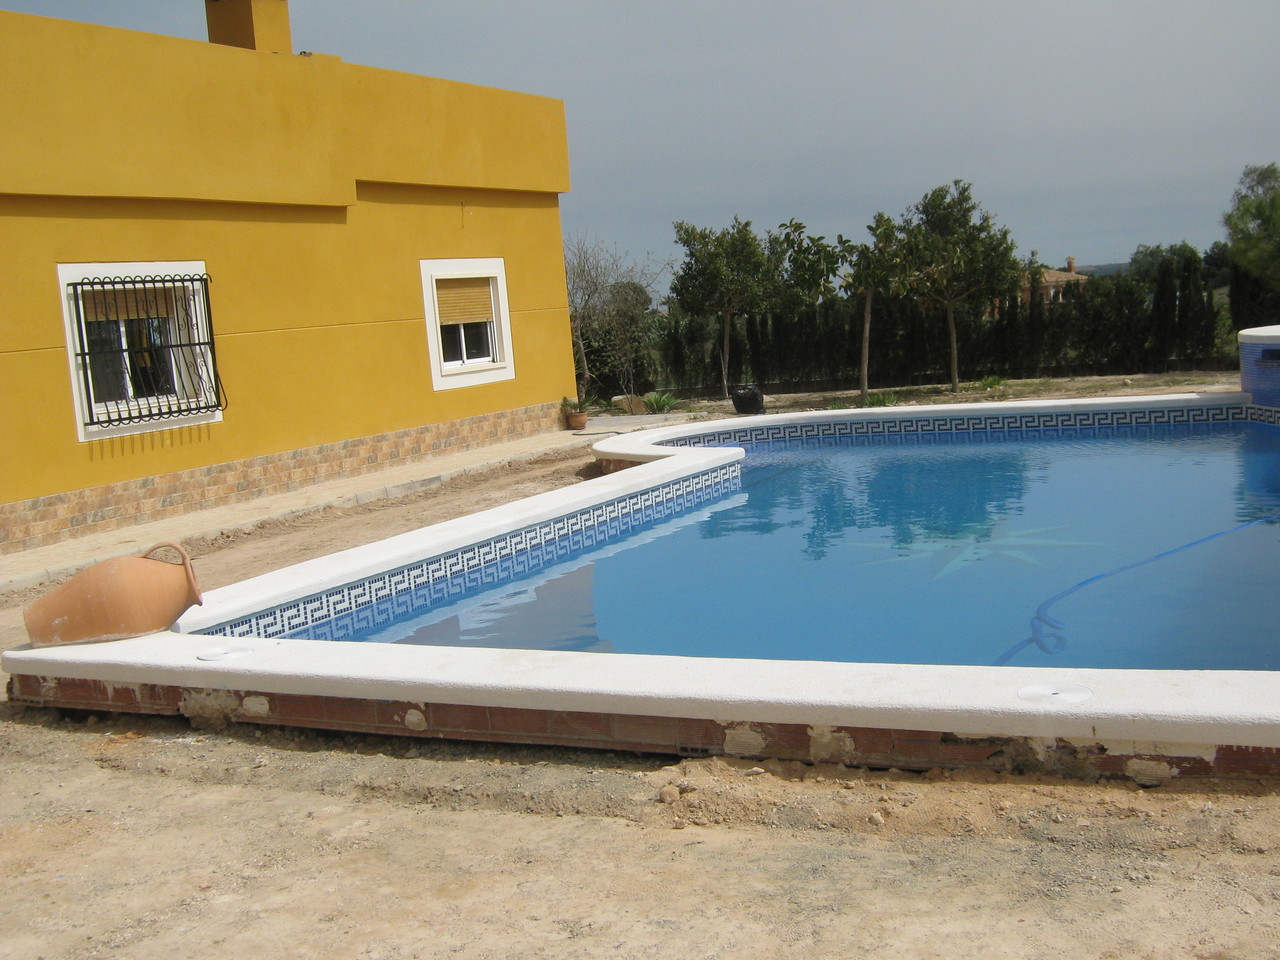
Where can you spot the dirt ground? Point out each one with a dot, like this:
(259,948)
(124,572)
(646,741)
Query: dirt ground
(143,838)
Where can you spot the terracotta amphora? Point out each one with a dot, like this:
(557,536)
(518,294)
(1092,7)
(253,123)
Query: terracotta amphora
(117,598)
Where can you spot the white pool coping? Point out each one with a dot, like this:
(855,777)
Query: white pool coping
(1168,711)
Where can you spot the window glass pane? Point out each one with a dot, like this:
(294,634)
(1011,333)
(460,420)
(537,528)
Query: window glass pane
(451,343)
(477,336)
(149,373)
(106,361)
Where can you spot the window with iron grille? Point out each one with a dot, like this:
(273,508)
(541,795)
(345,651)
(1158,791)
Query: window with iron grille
(468,321)
(141,347)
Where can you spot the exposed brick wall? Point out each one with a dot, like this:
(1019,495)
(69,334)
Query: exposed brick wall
(33,523)
(682,736)
(609,465)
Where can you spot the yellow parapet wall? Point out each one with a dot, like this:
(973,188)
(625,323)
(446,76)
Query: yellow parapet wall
(125,114)
(310,190)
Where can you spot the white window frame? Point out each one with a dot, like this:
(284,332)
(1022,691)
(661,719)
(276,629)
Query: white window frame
(502,366)
(69,273)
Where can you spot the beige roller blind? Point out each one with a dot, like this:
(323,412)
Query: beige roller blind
(464,300)
(128,303)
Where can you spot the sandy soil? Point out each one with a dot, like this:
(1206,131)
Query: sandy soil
(130,837)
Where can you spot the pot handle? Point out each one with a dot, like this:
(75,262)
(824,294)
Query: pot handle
(196,596)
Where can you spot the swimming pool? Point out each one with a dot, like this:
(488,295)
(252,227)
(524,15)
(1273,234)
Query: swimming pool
(1144,722)
(1132,547)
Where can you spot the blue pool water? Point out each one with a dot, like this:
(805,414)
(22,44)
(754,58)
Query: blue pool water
(936,548)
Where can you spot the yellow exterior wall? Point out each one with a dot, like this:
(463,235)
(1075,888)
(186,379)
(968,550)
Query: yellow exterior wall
(311,189)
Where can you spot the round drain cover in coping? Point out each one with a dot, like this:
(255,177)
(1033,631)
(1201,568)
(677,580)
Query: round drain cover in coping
(224,653)
(1055,693)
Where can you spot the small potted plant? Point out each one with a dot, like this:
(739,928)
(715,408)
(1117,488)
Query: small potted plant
(575,412)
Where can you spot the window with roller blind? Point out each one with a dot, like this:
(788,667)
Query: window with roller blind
(468,325)
(465,309)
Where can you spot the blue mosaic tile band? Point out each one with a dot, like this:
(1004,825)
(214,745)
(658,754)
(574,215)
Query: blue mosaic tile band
(966,423)
(1260,373)
(435,579)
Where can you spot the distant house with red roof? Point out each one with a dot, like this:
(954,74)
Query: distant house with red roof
(1053,283)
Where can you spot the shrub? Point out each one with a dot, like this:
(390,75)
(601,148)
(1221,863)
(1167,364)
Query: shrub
(661,402)
(885,398)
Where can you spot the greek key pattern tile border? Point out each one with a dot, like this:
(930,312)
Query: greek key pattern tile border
(1267,415)
(968,423)
(344,610)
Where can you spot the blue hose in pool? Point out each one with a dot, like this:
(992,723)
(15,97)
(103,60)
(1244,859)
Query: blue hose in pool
(1054,642)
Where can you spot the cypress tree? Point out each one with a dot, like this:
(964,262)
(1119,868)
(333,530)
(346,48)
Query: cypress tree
(1011,334)
(1130,322)
(1253,303)
(757,351)
(1034,338)
(1164,315)
(1193,319)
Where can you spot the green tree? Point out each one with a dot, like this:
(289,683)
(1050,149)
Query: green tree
(1253,224)
(1129,320)
(1164,313)
(1195,317)
(809,264)
(876,267)
(803,282)
(1107,322)
(725,274)
(682,348)
(1036,325)
(1144,265)
(1216,263)
(623,335)
(959,256)
(1251,301)
(593,270)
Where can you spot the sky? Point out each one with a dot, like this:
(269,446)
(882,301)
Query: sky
(1087,128)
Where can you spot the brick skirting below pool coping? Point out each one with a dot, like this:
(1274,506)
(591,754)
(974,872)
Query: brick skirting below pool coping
(682,736)
(26,524)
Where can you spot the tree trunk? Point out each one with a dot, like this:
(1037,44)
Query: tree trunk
(584,374)
(955,350)
(727,320)
(866,346)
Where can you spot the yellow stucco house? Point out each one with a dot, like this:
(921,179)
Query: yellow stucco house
(227,270)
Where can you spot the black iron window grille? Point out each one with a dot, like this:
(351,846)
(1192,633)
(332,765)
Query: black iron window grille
(144,349)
